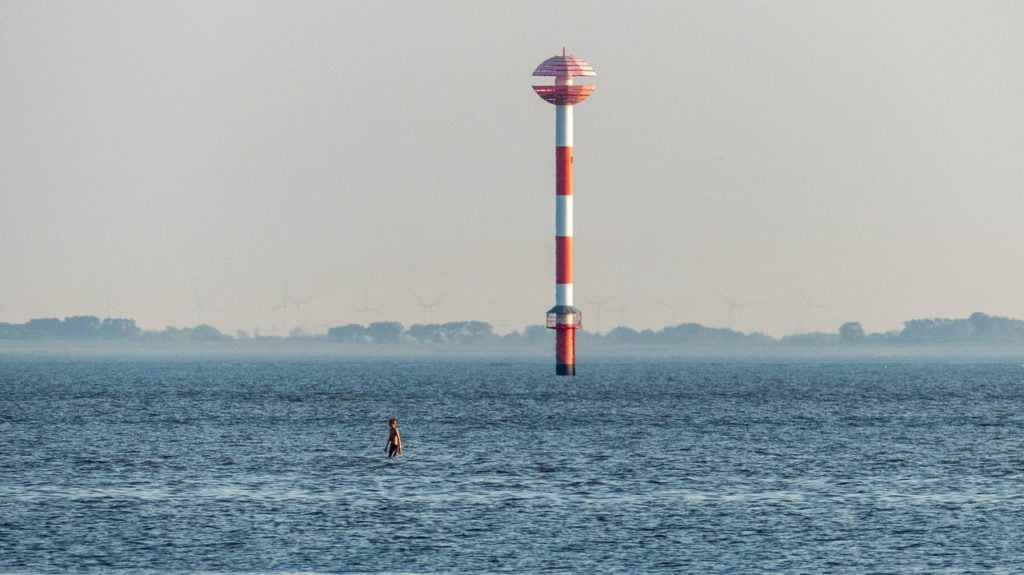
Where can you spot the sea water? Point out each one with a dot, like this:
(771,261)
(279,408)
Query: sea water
(635,466)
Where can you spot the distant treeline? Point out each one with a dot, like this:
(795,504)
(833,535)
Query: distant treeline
(89,328)
(978,330)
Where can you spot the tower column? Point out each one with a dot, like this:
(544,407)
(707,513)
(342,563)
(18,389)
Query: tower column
(565,332)
(564,318)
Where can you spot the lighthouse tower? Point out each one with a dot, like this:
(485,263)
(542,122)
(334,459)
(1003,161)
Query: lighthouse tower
(564,318)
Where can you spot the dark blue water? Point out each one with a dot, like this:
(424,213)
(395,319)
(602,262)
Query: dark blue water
(268,465)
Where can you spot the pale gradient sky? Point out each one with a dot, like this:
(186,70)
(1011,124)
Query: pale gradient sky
(809,162)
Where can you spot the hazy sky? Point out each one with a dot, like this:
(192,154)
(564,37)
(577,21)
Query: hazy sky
(772,166)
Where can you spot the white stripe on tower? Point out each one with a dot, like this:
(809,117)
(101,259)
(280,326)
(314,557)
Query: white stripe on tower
(563,125)
(563,216)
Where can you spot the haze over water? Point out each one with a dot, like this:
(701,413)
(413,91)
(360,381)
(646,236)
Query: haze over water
(240,465)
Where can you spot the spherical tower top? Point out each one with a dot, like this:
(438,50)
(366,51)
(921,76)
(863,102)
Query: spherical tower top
(564,68)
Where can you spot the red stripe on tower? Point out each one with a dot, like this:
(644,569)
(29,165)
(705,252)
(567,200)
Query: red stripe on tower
(563,260)
(564,318)
(563,170)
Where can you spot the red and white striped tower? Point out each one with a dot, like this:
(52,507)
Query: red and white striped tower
(564,318)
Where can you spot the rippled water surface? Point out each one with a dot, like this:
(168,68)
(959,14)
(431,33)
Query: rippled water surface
(239,465)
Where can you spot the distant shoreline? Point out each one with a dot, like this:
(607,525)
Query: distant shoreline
(978,335)
(322,349)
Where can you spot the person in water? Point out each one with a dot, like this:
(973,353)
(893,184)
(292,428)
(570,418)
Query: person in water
(394,446)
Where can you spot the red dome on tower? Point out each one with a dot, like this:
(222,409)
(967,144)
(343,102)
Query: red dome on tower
(564,68)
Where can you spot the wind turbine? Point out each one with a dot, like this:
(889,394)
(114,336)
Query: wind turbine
(301,302)
(367,309)
(290,303)
(108,309)
(429,304)
(811,306)
(195,311)
(599,303)
(285,305)
(672,307)
(734,305)
(198,309)
(622,309)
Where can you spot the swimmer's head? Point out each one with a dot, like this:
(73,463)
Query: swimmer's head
(392,421)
